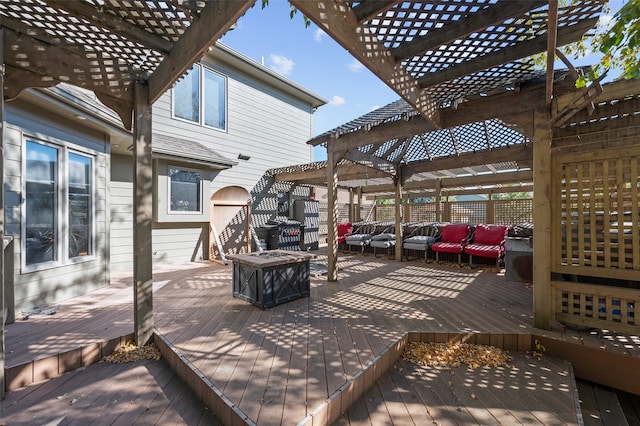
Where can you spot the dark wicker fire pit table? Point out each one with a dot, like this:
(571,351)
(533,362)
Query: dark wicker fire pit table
(269,278)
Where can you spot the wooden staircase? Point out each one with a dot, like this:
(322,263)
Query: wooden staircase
(604,406)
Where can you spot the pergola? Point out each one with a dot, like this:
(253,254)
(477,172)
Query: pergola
(455,64)
(461,68)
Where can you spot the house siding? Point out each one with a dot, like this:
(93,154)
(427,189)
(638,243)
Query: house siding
(45,287)
(265,123)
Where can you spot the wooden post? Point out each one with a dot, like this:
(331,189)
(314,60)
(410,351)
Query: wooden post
(2,290)
(438,201)
(351,215)
(398,187)
(542,137)
(332,216)
(358,217)
(143,216)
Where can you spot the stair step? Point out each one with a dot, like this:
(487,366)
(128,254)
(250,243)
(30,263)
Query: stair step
(600,405)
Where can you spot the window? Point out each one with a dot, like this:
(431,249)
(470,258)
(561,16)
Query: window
(200,97)
(185,190)
(80,204)
(58,184)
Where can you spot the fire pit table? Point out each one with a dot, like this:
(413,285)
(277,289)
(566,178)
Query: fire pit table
(269,278)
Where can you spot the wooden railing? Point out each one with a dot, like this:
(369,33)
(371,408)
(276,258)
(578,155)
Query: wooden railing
(598,306)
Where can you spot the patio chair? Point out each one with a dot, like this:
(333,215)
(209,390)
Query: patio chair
(344,230)
(488,241)
(454,237)
(421,238)
(360,237)
(384,240)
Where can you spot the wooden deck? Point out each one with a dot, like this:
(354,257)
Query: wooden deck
(277,366)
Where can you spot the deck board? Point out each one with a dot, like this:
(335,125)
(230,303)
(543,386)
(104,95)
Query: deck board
(279,364)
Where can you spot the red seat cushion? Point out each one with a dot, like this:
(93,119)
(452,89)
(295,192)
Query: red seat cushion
(490,234)
(447,247)
(455,233)
(485,250)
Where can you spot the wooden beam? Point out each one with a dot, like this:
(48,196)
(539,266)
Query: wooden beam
(18,79)
(346,172)
(215,19)
(616,90)
(106,19)
(552,35)
(469,24)
(143,217)
(504,178)
(517,153)
(338,20)
(519,50)
(366,10)
(371,161)
(511,107)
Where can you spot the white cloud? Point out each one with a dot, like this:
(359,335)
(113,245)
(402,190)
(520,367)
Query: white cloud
(336,101)
(355,66)
(318,35)
(281,64)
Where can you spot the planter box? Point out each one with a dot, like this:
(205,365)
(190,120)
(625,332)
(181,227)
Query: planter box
(272,277)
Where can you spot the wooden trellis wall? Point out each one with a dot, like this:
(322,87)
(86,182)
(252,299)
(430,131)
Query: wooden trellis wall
(596,237)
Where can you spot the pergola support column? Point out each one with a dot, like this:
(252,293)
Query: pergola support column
(2,283)
(398,228)
(332,217)
(438,200)
(358,217)
(351,207)
(143,216)
(542,138)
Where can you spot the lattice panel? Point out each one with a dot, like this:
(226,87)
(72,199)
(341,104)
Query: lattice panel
(76,32)
(597,306)
(502,136)
(423,212)
(418,150)
(597,213)
(470,138)
(439,143)
(385,212)
(512,212)
(466,211)
(407,21)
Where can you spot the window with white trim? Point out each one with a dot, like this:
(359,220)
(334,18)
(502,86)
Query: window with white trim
(58,209)
(185,191)
(201,97)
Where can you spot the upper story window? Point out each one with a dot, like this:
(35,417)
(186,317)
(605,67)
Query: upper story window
(185,190)
(58,208)
(201,97)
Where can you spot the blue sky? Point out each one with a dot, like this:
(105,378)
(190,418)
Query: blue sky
(311,59)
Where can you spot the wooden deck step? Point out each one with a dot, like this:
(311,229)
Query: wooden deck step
(600,405)
(529,391)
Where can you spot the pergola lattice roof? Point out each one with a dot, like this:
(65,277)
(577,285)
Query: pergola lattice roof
(105,45)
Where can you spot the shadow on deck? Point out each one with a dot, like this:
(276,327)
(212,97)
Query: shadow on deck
(316,359)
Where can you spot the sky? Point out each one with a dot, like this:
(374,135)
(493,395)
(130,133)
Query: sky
(310,58)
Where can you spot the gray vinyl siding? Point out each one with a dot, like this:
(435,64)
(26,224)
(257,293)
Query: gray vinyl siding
(263,122)
(270,126)
(46,287)
(121,209)
(171,242)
